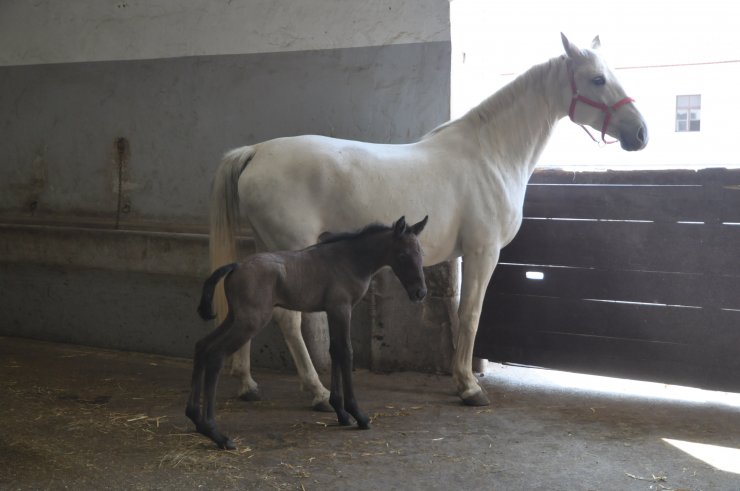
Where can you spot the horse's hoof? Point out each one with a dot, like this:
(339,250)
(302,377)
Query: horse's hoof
(250,396)
(323,407)
(477,399)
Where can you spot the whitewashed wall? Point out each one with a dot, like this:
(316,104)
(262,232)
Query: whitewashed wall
(88,228)
(49,31)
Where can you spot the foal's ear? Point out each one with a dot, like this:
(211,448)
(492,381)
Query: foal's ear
(399,227)
(418,227)
(596,43)
(324,235)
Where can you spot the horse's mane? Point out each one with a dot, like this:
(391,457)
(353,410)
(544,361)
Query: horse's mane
(328,237)
(510,92)
(504,97)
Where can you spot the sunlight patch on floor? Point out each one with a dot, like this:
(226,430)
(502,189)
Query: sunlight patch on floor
(723,458)
(613,386)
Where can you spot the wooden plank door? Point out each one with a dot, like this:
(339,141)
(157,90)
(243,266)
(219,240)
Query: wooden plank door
(623,273)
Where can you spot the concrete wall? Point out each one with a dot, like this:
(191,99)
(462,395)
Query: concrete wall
(114,115)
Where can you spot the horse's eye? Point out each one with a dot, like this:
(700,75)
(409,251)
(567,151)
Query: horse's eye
(598,80)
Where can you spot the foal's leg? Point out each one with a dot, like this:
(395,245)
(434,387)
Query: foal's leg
(340,349)
(193,408)
(207,425)
(223,345)
(290,324)
(240,364)
(336,399)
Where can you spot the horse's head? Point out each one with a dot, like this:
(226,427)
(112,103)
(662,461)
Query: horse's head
(406,258)
(598,100)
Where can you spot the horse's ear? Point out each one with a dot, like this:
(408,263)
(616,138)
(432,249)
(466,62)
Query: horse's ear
(418,227)
(571,49)
(399,227)
(596,43)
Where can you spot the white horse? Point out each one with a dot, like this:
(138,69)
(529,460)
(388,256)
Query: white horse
(469,175)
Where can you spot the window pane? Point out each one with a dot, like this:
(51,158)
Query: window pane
(682,101)
(680,125)
(694,115)
(694,125)
(695,101)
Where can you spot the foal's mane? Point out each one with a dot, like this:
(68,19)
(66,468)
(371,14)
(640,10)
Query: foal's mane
(329,237)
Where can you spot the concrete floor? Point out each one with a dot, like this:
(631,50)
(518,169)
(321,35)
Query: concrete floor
(79,418)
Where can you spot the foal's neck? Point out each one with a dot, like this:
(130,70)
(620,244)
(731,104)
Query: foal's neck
(368,254)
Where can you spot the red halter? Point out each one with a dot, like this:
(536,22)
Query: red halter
(608,110)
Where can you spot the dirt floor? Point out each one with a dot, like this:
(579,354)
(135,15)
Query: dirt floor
(79,418)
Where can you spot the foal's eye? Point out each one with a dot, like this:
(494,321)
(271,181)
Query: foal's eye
(598,80)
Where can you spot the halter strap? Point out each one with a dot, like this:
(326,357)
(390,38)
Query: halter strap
(606,109)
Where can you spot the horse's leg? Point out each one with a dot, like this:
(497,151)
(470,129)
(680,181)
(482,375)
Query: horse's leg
(477,270)
(241,368)
(290,324)
(340,349)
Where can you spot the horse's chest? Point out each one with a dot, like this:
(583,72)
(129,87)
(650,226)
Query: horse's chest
(495,210)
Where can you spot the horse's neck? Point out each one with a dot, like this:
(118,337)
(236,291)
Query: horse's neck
(516,122)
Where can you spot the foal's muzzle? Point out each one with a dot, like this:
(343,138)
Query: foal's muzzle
(418,294)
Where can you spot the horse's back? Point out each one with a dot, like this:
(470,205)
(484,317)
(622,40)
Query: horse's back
(323,153)
(295,188)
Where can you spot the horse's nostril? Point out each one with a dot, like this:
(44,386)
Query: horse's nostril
(642,134)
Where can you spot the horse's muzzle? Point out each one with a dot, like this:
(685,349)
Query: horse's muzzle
(633,141)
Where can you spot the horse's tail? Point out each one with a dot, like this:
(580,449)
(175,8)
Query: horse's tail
(224,214)
(206,298)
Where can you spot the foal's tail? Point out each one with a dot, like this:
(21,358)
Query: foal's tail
(206,299)
(224,214)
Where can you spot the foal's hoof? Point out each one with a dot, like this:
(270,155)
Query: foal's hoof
(323,407)
(477,399)
(193,413)
(227,444)
(363,423)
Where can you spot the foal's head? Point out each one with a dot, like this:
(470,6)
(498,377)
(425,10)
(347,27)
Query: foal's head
(405,257)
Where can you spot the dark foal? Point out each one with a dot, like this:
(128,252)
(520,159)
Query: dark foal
(331,276)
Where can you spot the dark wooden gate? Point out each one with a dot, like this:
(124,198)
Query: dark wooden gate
(640,277)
